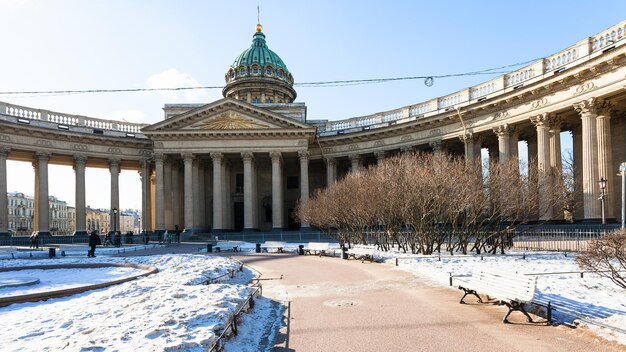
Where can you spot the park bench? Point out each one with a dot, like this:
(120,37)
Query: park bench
(73,248)
(227,246)
(511,289)
(8,252)
(362,252)
(278,245)
(317,248)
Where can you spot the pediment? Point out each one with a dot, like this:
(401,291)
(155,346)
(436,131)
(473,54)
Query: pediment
(231,120)
(226,115)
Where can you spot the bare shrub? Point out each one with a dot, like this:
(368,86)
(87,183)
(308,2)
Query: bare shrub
(607,257)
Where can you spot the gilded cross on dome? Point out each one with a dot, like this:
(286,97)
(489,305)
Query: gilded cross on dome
(230,121)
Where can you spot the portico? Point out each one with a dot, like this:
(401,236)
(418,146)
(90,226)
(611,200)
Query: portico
(247,156)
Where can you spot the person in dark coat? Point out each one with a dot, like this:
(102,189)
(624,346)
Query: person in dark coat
(177,232)
(94,240)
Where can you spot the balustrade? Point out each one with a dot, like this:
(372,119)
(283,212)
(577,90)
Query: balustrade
(609,37)
(67,119)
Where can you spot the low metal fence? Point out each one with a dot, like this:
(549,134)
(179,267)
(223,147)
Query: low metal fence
(562,240)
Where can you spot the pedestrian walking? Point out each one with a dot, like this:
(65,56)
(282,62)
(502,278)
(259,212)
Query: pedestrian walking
(177,232)
(94,240)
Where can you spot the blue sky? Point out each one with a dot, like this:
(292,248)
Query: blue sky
(71,44)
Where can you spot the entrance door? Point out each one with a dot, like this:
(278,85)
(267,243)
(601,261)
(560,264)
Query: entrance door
(238,211)
(292,222)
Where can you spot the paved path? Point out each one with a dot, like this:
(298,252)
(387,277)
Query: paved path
(338,305)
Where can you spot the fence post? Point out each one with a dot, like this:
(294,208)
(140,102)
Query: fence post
(450,278)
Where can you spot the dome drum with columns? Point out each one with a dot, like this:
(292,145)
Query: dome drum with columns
(243,162)
(258,75)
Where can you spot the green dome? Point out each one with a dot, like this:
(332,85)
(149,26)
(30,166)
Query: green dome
(258,61)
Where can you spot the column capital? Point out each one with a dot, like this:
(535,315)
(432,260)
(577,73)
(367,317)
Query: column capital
(80,160)
(380,154)
(276,156)
(4,151)
(589,106)
(303,155)
(436,145)
(159,157)
(187,157)
(604,108)
(43,155)
(541,120)
(354,157)
(217,156)
(247,156)
(331,161)
(503,130)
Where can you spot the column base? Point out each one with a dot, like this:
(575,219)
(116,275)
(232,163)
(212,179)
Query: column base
(277,230)
(305,229)
(249,230)
(217,231)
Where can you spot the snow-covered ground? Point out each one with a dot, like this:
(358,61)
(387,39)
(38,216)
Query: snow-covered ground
(596,299)
(60,279)
(170,310)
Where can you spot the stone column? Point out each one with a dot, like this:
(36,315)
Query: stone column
(227,199)
(331,171)
(303,155)
(200,197)
(605,154)
(541,122)
(277,191)
(195,176)
(355,159)
(504,142)
(178,211)
(36,200)
(556,164)
(43,205)
(114,168)
(380,156)
(470,149)
(248,159)
(145,196)
(167,190)
(159,205)
(189,196)
(514,149)
(4,204)
(591,175)
(577,141)
(217,191)
(80,162)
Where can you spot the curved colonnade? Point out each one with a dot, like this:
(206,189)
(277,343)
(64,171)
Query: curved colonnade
(230,165)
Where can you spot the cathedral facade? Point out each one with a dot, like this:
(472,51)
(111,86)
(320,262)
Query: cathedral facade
(242,163)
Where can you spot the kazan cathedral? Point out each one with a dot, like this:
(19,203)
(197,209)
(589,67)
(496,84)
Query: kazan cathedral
(242,163)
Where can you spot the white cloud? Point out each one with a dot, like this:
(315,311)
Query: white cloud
(172,78)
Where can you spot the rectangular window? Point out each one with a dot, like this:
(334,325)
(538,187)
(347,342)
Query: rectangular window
(239,183)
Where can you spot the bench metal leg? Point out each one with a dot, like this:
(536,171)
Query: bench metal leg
(516,306)
(469,292)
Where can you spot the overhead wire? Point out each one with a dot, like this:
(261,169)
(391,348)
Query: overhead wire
(319,84)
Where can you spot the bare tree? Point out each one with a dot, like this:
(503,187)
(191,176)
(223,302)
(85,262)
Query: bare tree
(607,257)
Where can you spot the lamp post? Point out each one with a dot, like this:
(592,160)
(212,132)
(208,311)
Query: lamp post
(602,183)
(622,169)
